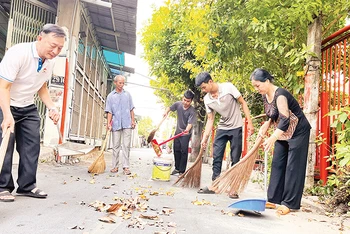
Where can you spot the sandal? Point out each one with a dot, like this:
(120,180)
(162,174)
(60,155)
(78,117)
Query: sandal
(205,190)
(282,210)
(233,196)
(127,171)
(36,193)
(270,205)
(6,196)
(114,170)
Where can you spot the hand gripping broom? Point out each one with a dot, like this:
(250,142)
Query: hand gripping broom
(235,179)
(99,165)
(192,176)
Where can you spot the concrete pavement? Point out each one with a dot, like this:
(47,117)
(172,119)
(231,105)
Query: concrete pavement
(71,189)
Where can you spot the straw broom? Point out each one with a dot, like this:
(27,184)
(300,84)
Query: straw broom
(3,147)
(191,178)
(235,179)
(153,132)
(99,165)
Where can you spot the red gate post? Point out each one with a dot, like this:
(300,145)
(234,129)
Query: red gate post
(325,131)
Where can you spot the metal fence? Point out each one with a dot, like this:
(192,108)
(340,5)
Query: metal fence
(334,92)
(25,22)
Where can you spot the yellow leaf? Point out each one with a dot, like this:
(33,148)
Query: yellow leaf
(300,73)
(255,20)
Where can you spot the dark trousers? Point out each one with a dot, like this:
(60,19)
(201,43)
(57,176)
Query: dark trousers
(27,138)
(234,136)
(288,171)
(181,152)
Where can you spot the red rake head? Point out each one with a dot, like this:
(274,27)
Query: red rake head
(156,147)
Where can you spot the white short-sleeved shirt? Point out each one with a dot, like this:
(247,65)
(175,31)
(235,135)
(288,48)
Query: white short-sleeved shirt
(226,105)
(20,67)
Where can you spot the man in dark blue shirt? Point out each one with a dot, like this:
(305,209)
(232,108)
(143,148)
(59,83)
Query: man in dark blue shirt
(186,116)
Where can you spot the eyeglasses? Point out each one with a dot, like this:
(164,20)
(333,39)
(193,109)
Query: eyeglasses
(40,64)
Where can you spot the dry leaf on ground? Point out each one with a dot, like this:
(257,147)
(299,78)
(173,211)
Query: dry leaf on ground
(114,208)
(167,211)
(77,227)
(106,219)
(99,206)
(151,217)
(171,224)
(201,203)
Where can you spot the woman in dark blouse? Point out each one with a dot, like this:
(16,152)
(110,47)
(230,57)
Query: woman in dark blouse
(290,140)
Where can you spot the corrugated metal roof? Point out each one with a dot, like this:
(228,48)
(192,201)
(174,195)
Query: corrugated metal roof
(115,27)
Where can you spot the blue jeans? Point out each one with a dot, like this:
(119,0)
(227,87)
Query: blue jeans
(221,139)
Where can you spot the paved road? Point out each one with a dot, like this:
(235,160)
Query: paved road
(71,189)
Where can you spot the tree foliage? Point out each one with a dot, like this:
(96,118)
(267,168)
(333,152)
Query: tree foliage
(145,126)
(230,38)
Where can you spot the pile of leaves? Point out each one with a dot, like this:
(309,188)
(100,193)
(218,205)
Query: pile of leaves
(126,207)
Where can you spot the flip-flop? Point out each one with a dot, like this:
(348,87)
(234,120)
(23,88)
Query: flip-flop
(36,193)
(205,190)
(6,196)
(283,210)
(270,205)
(127,171)
(114,170)
(234,196)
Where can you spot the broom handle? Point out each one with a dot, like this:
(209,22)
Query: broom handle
(59,132)
(3,147)
(172,138)
(265,173)
(161,122)
(105,140)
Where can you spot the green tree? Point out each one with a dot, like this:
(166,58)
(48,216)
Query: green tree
(145,126)
(230,38)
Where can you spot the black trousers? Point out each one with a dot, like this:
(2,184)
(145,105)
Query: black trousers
(27,138)
(221,139)
(181,152)
(288,171)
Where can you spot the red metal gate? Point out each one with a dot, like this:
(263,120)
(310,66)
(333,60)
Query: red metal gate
(334,93)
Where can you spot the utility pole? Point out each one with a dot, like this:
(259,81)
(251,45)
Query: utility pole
(311,95)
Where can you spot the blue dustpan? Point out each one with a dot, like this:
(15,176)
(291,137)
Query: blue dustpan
(249,204)
(253,204)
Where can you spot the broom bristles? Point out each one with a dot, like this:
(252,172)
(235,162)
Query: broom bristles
(191,178)
(99,165)
(235,179)
(151,136)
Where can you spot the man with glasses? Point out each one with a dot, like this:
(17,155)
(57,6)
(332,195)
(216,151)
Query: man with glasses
(24,71)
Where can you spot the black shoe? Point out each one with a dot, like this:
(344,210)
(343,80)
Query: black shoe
(174,172)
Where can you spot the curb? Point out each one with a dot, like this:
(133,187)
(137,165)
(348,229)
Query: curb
(312,203)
